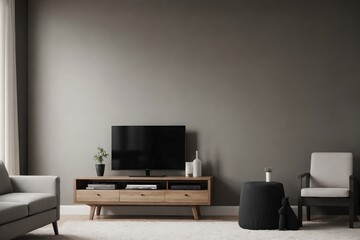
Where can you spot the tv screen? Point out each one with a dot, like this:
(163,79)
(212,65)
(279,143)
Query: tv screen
(148,147)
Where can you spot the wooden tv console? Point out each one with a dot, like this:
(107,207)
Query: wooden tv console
(164,195)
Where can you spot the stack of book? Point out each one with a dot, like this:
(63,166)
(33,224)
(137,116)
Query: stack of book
(101,186)
(185,187)
(141,186)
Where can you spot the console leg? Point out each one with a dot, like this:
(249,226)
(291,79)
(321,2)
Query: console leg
(55,227)
(92,212)
(196,212)
(98,210)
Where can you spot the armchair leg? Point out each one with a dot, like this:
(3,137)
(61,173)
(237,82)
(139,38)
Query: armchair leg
(300,211)
(55,227)
(351,214)
(351,224)
(308,213)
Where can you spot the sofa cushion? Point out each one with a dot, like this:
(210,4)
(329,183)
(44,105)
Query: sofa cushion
(5,184)
(12,211)
(325,192)
(37,202)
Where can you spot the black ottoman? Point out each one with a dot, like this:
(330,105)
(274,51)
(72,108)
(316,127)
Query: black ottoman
(259,205)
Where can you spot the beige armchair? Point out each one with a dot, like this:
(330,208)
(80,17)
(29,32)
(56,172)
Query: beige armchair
(329,183)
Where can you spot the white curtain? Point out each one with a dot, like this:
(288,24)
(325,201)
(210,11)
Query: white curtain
(9,139)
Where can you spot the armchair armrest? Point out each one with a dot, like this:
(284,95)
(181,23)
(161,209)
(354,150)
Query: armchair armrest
(352,182)
(307,180)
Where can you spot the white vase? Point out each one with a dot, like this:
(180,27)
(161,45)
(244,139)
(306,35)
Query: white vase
(268,176)
(188,169)
(197,166)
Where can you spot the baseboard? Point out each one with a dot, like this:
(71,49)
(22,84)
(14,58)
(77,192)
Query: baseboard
(154,210)
(151,210)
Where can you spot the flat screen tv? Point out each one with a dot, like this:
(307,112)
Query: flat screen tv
(148,148)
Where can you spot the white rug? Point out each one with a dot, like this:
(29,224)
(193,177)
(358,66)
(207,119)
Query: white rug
(186,229)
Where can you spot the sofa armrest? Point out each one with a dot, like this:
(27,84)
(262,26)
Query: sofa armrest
(38,184)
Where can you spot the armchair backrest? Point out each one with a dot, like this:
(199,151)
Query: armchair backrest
(331,169)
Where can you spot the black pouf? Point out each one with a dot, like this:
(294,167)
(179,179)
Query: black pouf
(259,205)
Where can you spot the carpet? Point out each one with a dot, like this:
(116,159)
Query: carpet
(190,230)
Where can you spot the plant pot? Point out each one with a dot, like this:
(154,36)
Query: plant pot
(100,169)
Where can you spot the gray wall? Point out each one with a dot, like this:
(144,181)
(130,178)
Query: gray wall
(256,82)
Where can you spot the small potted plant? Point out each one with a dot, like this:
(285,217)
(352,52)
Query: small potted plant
(268,171)
(99,158)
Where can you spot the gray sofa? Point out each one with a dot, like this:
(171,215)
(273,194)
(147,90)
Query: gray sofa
(27,203)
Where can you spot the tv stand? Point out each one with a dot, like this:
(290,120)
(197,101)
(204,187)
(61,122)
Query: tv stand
(166,194)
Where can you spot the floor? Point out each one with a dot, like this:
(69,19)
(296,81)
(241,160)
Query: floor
(67,218)
(79,227)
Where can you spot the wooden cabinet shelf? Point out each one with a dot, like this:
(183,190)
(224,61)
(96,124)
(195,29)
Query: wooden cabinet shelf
(164,194)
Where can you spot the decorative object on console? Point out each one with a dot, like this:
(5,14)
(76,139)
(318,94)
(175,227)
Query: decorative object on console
(197,166)
(188,169)
(268,171)
(100,157)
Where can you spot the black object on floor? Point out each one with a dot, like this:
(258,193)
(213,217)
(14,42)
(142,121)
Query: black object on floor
(287,217)
(259,205)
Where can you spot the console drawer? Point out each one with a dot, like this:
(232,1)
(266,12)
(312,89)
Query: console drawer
(187,196)
(142,196)
(97,195)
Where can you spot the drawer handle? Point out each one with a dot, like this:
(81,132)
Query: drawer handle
(186,195)
(142,195)
(98,194)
